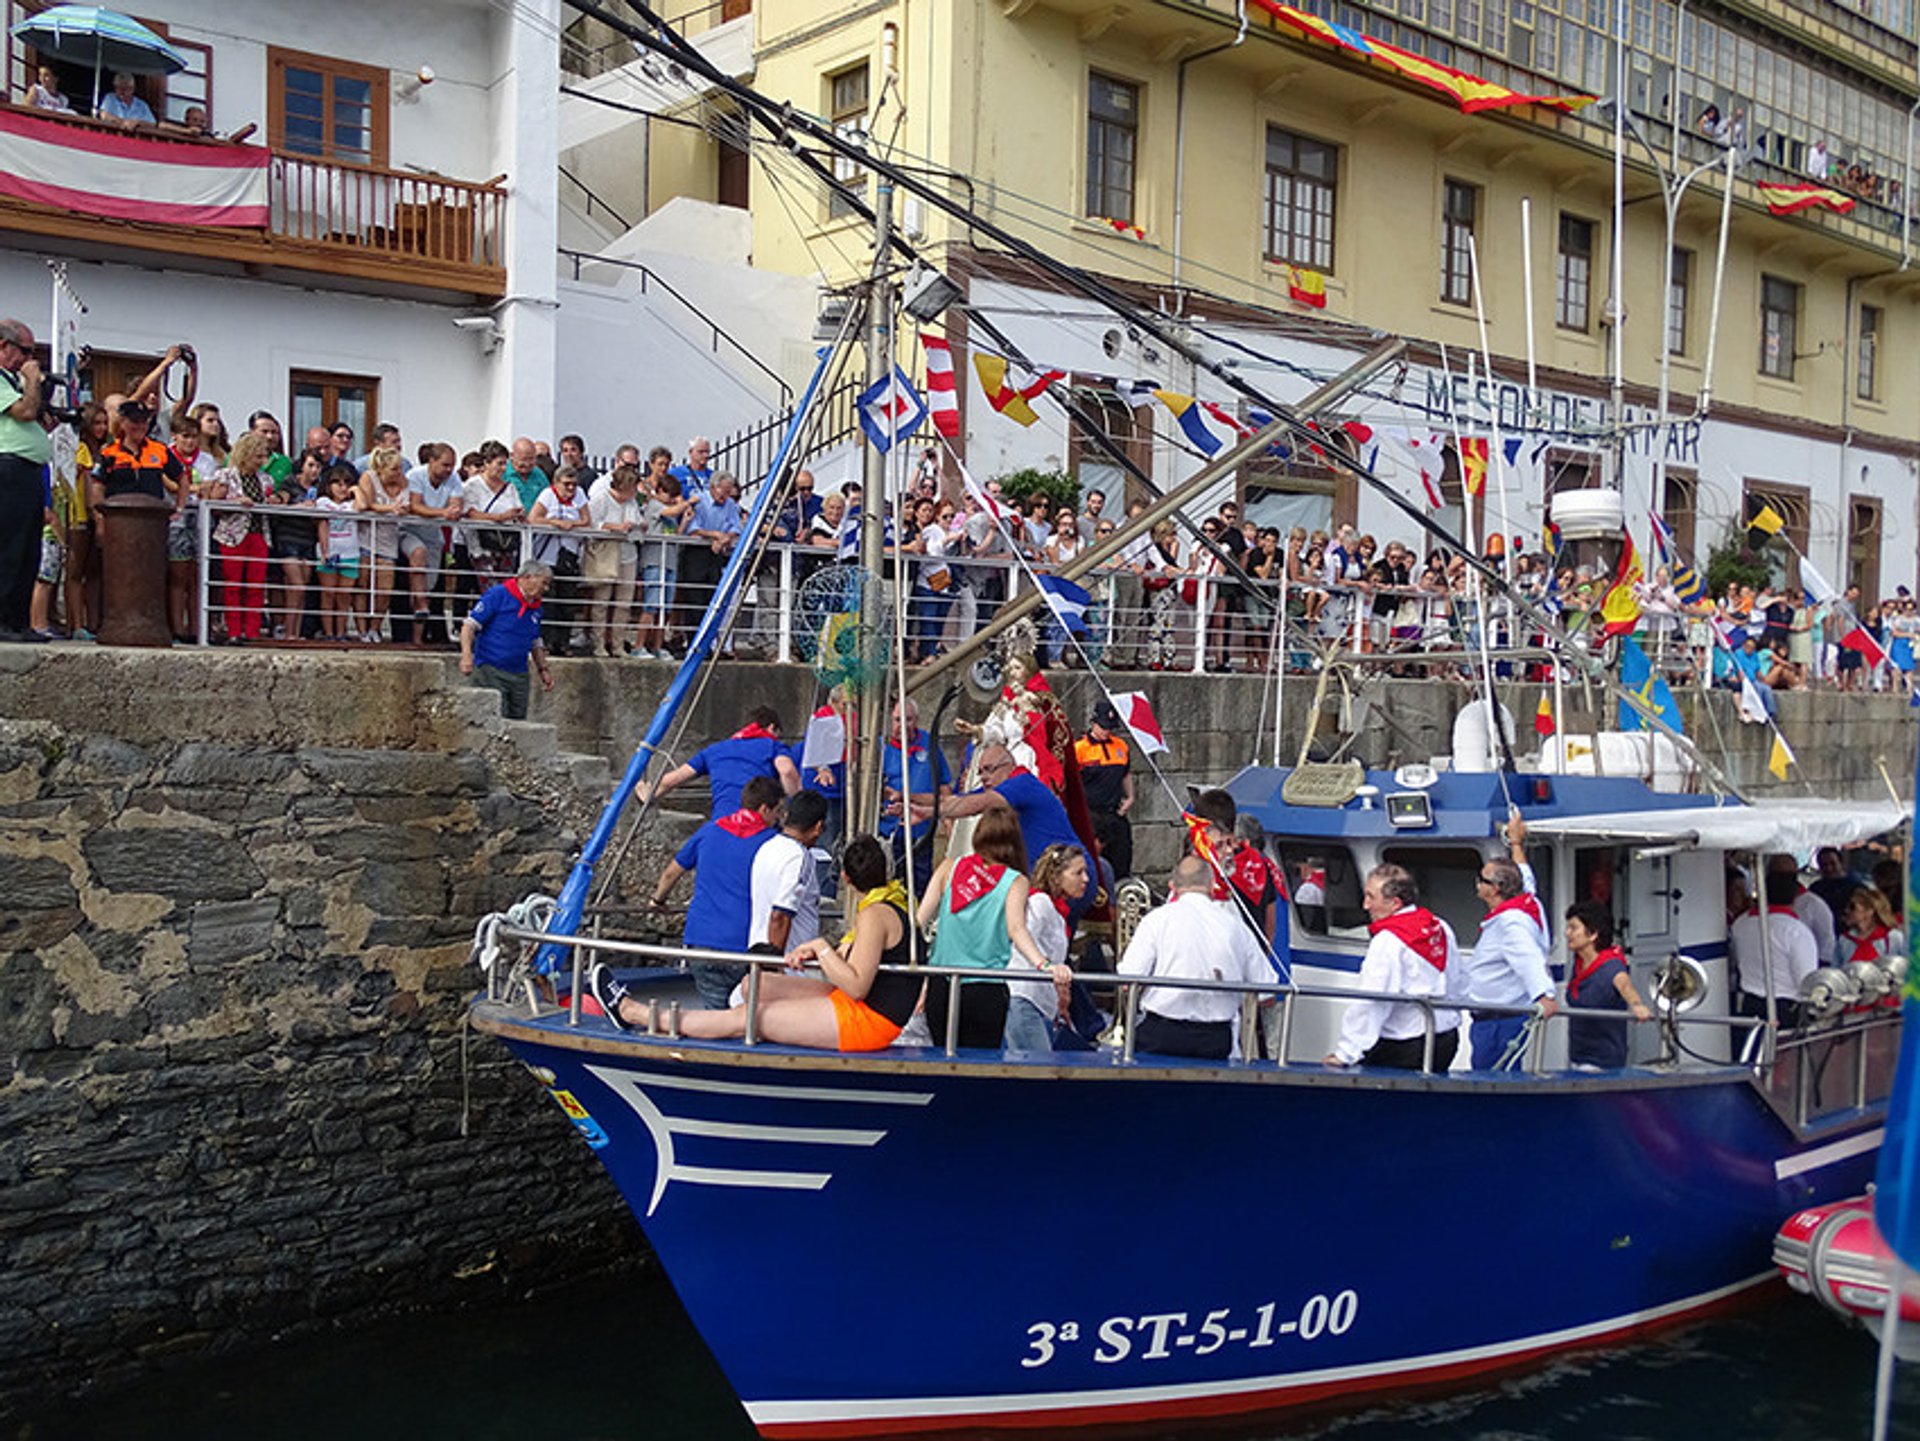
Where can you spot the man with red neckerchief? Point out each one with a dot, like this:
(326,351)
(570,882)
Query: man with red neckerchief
(1240,873)
(720,855)
(1507,965)
(753,750)
(1788,948)
(1408,956)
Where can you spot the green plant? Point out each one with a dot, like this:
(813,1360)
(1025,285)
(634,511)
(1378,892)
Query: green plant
(1733,562)
(1059,488)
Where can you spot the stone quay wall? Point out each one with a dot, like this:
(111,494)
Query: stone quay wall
(236,895)
(236,898)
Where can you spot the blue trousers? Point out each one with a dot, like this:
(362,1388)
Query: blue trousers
(1492,1038)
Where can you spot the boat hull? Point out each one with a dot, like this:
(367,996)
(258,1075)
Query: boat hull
(886,1246)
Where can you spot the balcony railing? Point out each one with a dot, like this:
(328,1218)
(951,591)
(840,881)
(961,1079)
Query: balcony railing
(354,223)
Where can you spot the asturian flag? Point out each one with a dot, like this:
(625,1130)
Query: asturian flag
(1638,678)
(942,389)
(1137,711)
(1067,601)
(891,410)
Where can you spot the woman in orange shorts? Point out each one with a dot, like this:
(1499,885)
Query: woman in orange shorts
(857,1007)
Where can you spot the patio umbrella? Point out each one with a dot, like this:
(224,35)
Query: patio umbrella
(104,39)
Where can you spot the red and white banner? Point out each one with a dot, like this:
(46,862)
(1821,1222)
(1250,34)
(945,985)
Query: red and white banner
(132,177)
(1137,711)
(943,396)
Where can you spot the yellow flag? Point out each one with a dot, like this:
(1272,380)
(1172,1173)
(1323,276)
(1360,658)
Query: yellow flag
(1768,520)
(1781,757)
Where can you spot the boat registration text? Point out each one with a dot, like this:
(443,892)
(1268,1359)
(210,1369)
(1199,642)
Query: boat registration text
(1166,1333)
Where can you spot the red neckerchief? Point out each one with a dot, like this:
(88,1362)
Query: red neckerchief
(1523,903)
(1867,947)
(754,732)
(973,877)
(1060,904)
(1419,930)
(916,743)
(1580,972)
(1779,911)
(743,823)
(512,584)
(1249,876)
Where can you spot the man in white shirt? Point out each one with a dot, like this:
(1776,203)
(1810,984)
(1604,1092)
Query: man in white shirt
(1192,937)
(1506,967)
(785,885)
(1409,955)
(1787,949)
(1813,912)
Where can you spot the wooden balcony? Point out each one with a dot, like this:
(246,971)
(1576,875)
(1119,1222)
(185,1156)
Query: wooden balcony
(329,224)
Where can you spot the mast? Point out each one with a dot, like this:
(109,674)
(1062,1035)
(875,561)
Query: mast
(875,503)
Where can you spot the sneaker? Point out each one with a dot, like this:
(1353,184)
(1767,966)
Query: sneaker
(602,986)
(82,633)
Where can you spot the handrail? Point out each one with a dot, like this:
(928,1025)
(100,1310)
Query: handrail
(1287,994)
(593,198)
(650,276)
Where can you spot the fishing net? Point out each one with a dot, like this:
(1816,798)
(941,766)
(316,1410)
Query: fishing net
(830,631)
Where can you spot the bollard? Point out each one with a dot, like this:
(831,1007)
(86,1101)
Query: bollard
(132,536)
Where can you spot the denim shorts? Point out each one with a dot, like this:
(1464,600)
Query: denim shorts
(656,587)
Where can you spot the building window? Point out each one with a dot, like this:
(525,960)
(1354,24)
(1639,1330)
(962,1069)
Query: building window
(1459,209)
(1866,370)
(1793,504)
(1092,463)
(1113,136)
(318,397)
(1779,320)
(1679,294)
(1301,177)
(1678,507)
(847,108)
(1863,546)
(326,108)
(1573,274)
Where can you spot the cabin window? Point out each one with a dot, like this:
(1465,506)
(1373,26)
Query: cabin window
(1330,866)
(1445,876)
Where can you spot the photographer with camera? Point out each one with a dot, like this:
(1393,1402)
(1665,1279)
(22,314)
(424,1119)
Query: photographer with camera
(26,497)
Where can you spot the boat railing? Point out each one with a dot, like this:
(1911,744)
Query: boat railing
(1799,1057)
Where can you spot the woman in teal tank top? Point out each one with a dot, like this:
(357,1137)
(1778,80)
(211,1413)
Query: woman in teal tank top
(980,902)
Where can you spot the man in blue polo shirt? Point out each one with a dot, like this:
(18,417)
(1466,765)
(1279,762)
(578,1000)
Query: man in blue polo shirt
(720,855)
(502,633)
(1043,820)
(914,785)
(715,525)
(753,750)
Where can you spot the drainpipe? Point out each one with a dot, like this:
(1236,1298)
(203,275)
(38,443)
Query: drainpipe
(1180,135)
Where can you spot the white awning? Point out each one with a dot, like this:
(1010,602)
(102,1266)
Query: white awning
(1796,826)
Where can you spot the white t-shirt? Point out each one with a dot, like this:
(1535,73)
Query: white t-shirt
(1790,946)
(784,879)
(548,546)
(605,508)
(1049,930)
(343,533)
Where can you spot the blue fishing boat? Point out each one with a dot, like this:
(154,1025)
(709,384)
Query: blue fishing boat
(933,1238)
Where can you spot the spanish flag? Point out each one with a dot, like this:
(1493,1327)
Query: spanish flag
(1620,609)
(1473,463)
(1543,717)
(1307,287)
(1792,199)
(1469,92)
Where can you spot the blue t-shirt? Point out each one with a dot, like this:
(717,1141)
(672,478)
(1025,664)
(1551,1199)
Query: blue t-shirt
(722,866)
(1590,1040)
(507,635)
(729,764)
(693,482)
(926,772)
(1043,820)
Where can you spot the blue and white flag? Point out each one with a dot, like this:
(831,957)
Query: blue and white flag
(1638,678)
(891,410)
(1067,601)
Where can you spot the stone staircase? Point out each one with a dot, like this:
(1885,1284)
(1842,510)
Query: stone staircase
(531,748)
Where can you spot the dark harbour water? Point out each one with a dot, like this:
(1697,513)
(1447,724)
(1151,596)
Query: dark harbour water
(619,1362)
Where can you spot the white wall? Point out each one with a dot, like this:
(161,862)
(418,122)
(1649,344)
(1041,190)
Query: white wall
(444,128)
(250,335)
